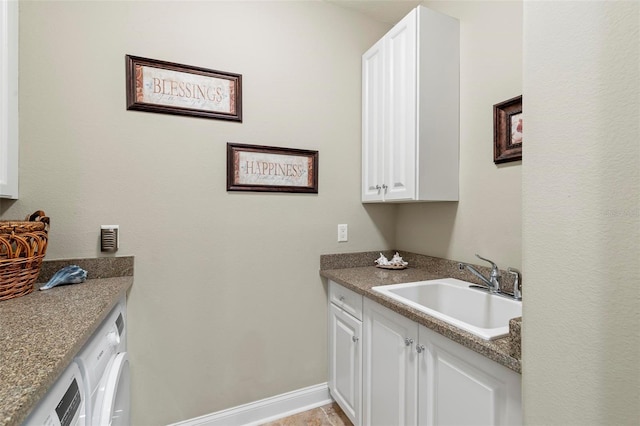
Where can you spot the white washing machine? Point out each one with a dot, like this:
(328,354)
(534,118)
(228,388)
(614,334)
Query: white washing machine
(104,366)
(64,404)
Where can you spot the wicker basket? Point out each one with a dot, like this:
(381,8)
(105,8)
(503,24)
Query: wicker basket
(23,245)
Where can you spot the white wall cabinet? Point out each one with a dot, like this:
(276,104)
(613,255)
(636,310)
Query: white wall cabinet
(410,111)
(8,99)
(401,373)
(345,350)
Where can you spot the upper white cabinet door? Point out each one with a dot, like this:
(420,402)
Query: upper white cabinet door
(410,117)
(461,387)
(389,367)
(373,105)
(400,150)
(8,99)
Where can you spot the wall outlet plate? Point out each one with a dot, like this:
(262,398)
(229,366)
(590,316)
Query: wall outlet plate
(343,233)
(109,238)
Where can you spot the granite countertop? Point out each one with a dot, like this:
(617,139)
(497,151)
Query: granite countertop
(41,332)
(362,278)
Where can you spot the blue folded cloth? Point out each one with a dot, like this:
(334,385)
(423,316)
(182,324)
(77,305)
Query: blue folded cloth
(71,274)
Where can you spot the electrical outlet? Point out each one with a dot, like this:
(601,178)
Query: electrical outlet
(343,233)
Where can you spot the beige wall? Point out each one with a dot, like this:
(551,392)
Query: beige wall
(581,221)
(227,305)
(487,219)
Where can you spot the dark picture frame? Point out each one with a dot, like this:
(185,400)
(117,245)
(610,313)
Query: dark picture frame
(170,88)
(260,168)
(507,130)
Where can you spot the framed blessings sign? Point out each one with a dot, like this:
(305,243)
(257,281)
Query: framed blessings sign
(271,169)
(166,87)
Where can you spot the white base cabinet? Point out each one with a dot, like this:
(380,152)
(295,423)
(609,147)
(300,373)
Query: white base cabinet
(385,369)
(345,350)
(458,386)
(390,367)
(345,362)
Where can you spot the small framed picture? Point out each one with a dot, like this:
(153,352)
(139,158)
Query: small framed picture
(507,131)
(170,88)
(271,169)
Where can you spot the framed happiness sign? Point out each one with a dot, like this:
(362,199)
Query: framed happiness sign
(271,169)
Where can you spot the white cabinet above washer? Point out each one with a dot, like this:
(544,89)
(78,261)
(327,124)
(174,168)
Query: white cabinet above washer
(9,99)
(410,111)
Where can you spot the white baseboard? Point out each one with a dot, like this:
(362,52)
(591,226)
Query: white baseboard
(265,410)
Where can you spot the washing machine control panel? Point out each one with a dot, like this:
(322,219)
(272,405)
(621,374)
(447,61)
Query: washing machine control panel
(120,324)
(114,335)
(69,404)
(64,404)
(113,338)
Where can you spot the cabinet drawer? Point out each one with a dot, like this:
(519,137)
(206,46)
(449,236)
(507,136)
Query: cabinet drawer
(348,300)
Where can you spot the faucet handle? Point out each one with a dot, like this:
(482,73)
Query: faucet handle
(495,271)
(517,292)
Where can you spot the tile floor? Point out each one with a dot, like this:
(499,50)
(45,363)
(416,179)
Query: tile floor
(327,415)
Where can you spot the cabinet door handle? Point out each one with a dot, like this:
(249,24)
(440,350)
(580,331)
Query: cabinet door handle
(378,188)
(420,348)
(408,341)
(355,339)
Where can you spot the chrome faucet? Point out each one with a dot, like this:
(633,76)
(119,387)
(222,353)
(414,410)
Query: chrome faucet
(517,290)
(493,282)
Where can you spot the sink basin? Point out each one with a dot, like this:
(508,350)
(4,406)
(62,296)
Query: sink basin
(452,301)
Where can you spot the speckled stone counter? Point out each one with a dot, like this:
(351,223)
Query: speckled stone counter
(362,278)
(41,332)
